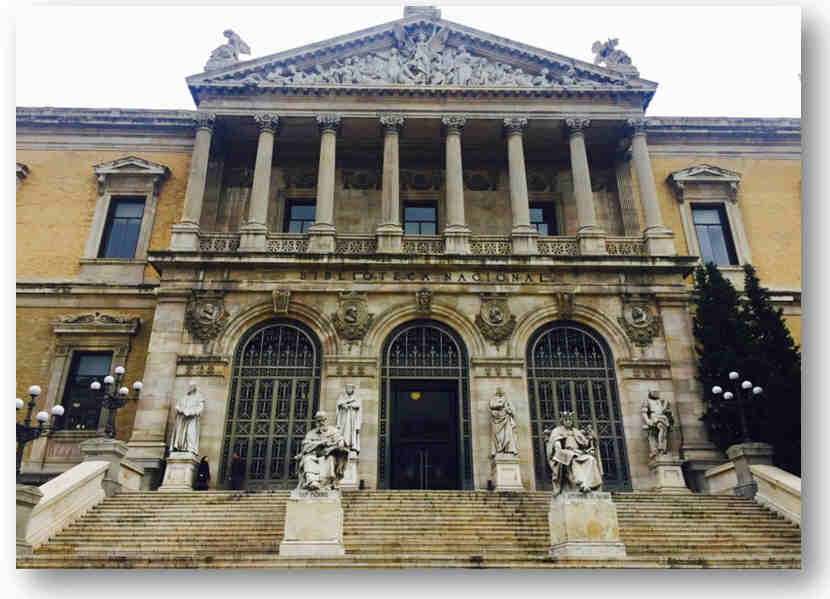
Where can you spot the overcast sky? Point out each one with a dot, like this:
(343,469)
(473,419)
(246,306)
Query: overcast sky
(708,61)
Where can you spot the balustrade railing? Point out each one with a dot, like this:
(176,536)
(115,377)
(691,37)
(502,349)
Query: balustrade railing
(287,243)
(557,246)
(423,244)
(491,245)
(625,246)
(365,243)
(218,242)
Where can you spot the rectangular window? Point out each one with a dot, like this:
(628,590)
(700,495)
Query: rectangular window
(122,228)
(713,235)
(420,218)
(299,216)
(81,411)
(543,217)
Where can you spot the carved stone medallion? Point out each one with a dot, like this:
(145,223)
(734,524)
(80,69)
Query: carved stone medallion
(494,320)
(205,316)
(423,298)
(564,303)
(640,321)
(352,318)
(282,297)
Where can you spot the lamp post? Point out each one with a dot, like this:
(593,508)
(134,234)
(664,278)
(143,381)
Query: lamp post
(25,431)
(746,388)
(113,396)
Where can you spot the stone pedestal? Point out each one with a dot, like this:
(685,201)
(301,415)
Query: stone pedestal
(591,241)
(390,239)
(659,241)
(457,240)
(523,242)
(252,237)
(584,526)
(667,471)
(181,468)
(322,238)
(185,237)
(744,455)
(106,450)
(505,472)
(313,525)
(350,480)
(27,498)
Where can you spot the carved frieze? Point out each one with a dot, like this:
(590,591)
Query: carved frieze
(300,178)
(421,180)
(187,366)
(494,320)
(423,299)
(481,179)
(352,318)
(282,299)
(361,179)
(97,323)
(205,315)
(640,320)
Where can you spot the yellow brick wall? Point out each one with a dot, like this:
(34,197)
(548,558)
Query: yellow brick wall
(56,203)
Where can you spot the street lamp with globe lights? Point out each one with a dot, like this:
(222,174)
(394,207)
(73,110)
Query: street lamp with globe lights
(26,432)
(113,396)
(749,391)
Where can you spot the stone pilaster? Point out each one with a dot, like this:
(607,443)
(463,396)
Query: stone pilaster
(322,233)
(659,240)
(254,230)
(456,231)
(389,231)
(186,232)
(522,235)
(591,237)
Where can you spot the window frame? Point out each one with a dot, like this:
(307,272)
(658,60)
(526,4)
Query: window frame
(420,204)
(287,220)
(108,224)
(725,230)
(73,358)
(551,211)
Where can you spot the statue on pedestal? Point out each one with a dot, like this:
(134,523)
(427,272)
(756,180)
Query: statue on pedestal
(323,457)
(658,422)
(188,411)
(503,421)
(349,417)
(573,456)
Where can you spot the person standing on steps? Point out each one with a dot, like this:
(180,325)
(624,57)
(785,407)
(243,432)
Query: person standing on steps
(203,475)
(237,472)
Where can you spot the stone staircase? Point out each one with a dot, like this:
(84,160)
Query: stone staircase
(414,529)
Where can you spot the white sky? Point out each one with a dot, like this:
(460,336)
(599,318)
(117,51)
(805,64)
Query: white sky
(707,60)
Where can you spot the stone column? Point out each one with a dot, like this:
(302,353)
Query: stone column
(322,233)
(522,235)
(389,231)
(254,230)
(591,237)
(186,231)
(456,231)
(659,239)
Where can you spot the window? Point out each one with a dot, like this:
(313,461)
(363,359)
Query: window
(122,228)
(420,218)
(713,235)
(299,216)
(543,217)
(82,412)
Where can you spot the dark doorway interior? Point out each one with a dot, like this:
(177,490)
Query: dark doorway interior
(424,434)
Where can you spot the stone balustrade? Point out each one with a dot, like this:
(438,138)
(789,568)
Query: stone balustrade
(778,490)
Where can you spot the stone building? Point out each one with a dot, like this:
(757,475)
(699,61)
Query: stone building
(421,209)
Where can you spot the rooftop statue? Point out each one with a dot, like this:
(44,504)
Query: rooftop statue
(606,52)
(227,54)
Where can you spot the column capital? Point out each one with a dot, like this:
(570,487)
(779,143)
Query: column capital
(577,125)
(637,126)
(453,124)
(391,123)
(268,121)
(205,120)
(515,125)
(330,122)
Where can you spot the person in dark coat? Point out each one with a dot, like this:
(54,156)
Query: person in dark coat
(237,472)
(203,475)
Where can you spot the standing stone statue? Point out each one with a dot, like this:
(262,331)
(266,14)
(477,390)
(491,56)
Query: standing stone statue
(658,422)
(573,456)
(323,457)
(188,412)
(349,417)
(503,420)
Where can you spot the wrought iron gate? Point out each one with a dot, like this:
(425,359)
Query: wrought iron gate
(275,386)
(571,369)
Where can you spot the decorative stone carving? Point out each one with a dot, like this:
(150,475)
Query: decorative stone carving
(657,422)
(205,316)
(423,299)
(267,121)
(392,122)
(188,414)
(227,54)
(201,366)
(99,318)
(322,458)
(300,178)
(352,318)
(427,12)
(130,166)
(705,173)
(573,456)
(421,180)
(564,304)
(494,320)
(637,126)
(639,321)
(515,125)
(282,299)
(361,179)
(614,59)
(22,171)
(503,422)
(205,120)
(453,124)
(577,125)
(481,179)
(350,417)
(329,122)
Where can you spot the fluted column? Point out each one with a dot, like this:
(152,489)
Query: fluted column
(522,235)
(456,231)
(389,231)
(322,233)
(255,229)
(659,239)
(591,237)
(186,231)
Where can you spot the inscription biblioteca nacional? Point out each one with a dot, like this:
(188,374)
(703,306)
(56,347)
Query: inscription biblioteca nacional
(367,276)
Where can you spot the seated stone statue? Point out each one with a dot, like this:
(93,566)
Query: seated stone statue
(573,457)
(323,457)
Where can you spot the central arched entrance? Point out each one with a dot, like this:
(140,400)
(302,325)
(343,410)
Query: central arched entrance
(425,435)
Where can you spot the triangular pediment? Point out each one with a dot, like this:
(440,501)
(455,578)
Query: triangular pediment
(131,165)
(705,173)
(420,51)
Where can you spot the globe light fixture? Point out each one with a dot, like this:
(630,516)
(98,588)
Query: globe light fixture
(733,376)
(746,385)
(25,431)
(748,391)
(113,396)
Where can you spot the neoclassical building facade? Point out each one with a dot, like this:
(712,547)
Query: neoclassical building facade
(423,210)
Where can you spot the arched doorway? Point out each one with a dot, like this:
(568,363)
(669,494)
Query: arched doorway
(425,435)
(570,368)
(274,394)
